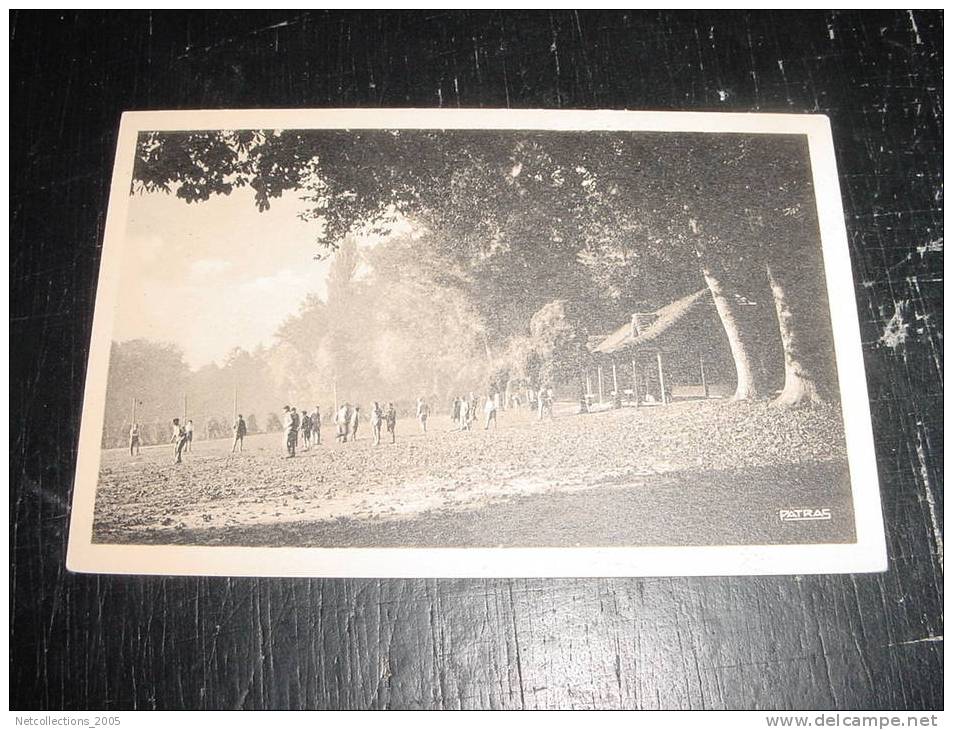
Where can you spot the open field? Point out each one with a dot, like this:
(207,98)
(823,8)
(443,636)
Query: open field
(695,472)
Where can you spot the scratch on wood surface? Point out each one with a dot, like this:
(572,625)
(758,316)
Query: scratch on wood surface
(913,26)
(192,50)
(930,498)
(924,640)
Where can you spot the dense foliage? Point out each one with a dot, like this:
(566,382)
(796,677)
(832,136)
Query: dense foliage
(524,244)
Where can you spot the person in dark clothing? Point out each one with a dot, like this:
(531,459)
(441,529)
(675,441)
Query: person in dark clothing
(134,440)
(355,420)
(290,424)
(390,418)
(306,430)
(377,418)
(239,429)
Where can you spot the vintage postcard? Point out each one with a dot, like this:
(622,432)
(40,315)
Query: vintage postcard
(475,343)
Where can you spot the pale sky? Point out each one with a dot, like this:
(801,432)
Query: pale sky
(214,275)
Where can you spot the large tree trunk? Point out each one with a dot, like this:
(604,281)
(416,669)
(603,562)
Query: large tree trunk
(749,385)
(802,385)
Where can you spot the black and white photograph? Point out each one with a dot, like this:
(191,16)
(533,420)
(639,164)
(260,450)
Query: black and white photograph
(511,342)
(476,359)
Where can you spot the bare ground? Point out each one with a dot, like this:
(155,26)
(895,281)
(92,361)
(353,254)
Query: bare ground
(689,473)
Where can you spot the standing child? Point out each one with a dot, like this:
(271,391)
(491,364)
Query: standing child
(134,439)
(355,419)
(343,420)
(178,440)
(377,418)
(290,424)
(316,425)
(239,429)
(490,411)
(423,412)
(391,419)
(306,430)
(296,419)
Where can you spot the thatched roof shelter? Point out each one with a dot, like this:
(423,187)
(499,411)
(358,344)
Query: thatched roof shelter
(647,330)
(653,333)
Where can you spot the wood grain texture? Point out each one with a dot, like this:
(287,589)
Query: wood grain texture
(110,642)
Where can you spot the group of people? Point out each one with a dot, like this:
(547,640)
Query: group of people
(182,434)
(463,412)
(379,418)
(347,419)
(303,426)
(304,429)
(544,403)
(540,401)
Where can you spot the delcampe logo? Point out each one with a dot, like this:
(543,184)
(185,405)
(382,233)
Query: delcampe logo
(802,515)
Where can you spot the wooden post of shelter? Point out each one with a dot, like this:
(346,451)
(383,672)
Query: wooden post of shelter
(601,398)
(701,364)
(616,395)
(583,394)
(635,384)
(661,377)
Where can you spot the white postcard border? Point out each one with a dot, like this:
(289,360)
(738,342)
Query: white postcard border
(868,554)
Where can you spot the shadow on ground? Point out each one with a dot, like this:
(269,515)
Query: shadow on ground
(726,507)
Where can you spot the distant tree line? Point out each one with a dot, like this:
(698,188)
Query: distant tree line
(152,383)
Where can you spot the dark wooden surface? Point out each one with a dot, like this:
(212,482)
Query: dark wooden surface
(847,642)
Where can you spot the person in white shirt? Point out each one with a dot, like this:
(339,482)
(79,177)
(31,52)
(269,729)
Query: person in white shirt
(291,434)
(178,440)
(343,420)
